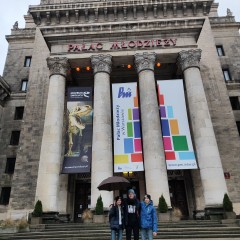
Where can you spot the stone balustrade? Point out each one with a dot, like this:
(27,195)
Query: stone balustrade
(99,11)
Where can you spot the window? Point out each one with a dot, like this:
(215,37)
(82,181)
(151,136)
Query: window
(226,75)
(19,113)
(10,165)
(24,85)
(27,62)
(220,51)
(5,195)
(15,138)
(238,126)
(235,103)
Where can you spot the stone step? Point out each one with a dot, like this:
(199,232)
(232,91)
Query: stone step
(107,237)
(166,233)
(175,230)
(161,225)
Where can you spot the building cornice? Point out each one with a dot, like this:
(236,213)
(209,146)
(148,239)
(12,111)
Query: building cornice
(115,11)
(21,33)
(228,21)
(172,27)
(5,90)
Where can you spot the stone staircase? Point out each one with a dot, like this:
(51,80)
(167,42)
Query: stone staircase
(175,230)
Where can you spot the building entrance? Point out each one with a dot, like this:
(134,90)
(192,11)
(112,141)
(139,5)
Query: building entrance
(82,199)
(134,185)
(178,196)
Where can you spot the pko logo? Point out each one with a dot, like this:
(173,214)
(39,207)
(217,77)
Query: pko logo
(124,94)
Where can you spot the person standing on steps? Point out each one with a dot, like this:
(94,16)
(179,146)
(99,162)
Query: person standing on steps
(132,215)
(148,219)
(116,219)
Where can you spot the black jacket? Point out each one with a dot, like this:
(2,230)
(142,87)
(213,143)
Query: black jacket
(114,218)
(131,212)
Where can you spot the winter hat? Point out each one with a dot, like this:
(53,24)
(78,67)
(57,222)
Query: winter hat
(131,191)
(147,196)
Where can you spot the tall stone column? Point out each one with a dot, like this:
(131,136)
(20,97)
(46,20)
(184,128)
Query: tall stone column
(51,149)
(154,157)
(102,161)
(211,171)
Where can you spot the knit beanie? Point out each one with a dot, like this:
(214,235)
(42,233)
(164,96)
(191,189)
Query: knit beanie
(131,191)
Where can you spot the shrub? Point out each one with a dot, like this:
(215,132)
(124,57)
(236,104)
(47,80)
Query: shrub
(99,206)
(22,224)
(87,214)
(227,203)
(8,223)
(162,205)
(177,212)
(38,209)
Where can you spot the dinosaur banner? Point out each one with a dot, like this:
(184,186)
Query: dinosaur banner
(128,155)
(177,140)
(78,141)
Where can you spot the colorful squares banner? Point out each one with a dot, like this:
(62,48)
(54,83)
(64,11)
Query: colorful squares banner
(138,145)
(165,127)
(126,128)
(174,126)
(177,141)
(167,142)
(180,143)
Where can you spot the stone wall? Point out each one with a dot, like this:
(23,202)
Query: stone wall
(220,109)
(25,177)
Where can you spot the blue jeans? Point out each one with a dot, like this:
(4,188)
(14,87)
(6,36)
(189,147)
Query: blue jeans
(146,234)
(116,234)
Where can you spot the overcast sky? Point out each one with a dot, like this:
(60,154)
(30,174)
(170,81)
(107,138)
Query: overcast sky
(13,10)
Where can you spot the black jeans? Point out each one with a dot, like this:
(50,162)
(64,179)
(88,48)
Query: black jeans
(135,230)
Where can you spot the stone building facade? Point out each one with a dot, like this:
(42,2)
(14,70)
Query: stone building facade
(93,44)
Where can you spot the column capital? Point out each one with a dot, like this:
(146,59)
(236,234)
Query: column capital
(101,63)
(145,61)
(190,58)
(58,66)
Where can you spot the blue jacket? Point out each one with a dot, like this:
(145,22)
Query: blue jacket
(148,216)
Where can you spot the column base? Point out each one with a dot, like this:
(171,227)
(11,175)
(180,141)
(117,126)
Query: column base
(214,213)
(19,214)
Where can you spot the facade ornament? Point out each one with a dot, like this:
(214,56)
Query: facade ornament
(229,13)
(155,11)
(190,58)
(76,16)
(15,26)
(101,63)
(58,66)
(145,61)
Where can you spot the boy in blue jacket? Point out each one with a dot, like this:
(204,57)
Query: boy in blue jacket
(148,218)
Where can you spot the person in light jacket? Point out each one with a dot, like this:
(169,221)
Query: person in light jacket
(116,219)
(148,218)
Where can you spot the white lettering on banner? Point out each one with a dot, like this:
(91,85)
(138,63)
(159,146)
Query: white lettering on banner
(124,94)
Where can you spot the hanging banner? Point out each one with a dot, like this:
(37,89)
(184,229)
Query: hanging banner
(128,155)
(78,143)
(177,141)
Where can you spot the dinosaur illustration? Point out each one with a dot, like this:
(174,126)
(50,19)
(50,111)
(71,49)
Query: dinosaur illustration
(76,124)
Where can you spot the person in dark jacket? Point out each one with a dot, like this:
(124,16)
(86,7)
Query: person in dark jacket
(132,215)
(148,219)
(116,219)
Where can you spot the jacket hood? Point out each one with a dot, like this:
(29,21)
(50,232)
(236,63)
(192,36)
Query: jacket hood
(150,203)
